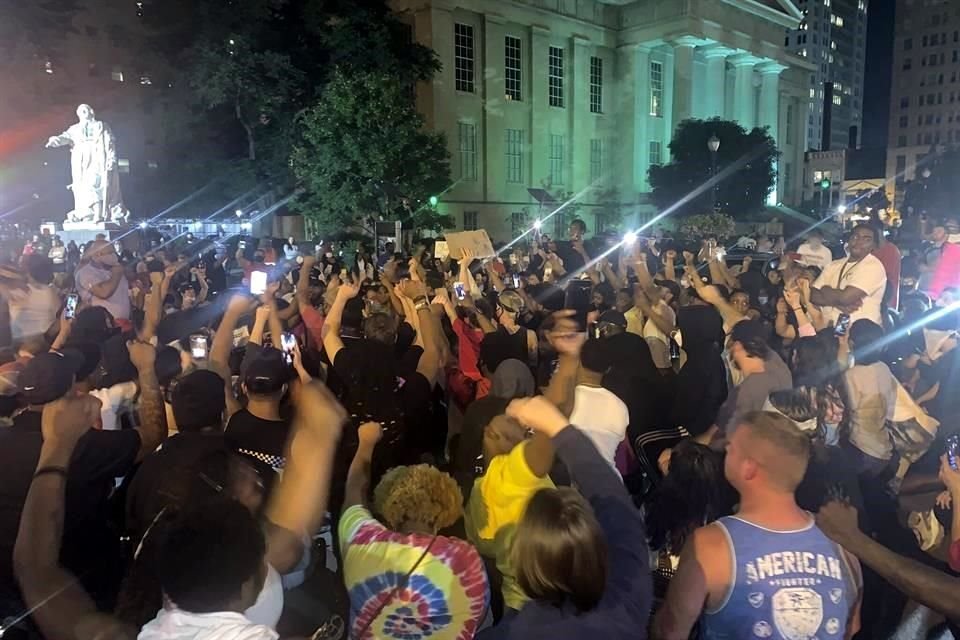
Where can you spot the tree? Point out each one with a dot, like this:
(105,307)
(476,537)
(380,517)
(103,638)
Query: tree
(362,151)
(745,163)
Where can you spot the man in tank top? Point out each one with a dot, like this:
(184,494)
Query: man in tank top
(768,571)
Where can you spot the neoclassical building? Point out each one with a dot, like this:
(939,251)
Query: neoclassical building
(574,94)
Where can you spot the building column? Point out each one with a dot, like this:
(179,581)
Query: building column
(579,110)
(683,49)
(716,81)
(769,115)
(536,88)
(633,108)
(490,135)
(743,102)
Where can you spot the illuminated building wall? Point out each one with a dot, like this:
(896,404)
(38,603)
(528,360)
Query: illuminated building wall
(565,94)
(925,90)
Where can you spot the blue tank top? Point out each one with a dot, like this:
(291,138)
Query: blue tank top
(794,585)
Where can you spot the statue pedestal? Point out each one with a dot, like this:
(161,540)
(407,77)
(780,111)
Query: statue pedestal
(83,232)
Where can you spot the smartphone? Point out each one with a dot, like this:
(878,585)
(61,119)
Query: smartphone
(70,308)
(843,323)
(459,290)
(243,244)
(288,343)
(258,282)
(198,347)
(953,451)
(516,281)
(577,299)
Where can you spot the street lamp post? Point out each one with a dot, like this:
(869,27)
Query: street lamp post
(713,144)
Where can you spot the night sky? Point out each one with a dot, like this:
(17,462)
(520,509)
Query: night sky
(876,90)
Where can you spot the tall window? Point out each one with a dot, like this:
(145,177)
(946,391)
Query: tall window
(556,159)
(787,177)
(654,156)
(555,76)
(470,221)
(514,156)
(656,89)
(463,56)
(517,223)
(596,85)
(511,67)
(468,151)
(596,159)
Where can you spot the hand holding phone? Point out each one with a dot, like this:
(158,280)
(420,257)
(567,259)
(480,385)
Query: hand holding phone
(258,282)
(198,347)
(70,308)
(459,290)
(288,342)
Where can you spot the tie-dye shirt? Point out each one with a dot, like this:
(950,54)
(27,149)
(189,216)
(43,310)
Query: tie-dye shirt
(445,598)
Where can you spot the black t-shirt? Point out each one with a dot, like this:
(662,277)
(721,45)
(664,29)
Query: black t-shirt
(168,475)
(90,544)
(572,261)
(264,440)
(181,324)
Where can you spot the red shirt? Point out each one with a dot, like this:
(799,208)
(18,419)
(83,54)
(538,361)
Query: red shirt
(889,255)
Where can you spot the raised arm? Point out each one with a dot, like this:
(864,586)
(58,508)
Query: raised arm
(219,360)
(332,341)
(712,295)
(567,342)
(298,506)
(152,413)
(429,365)
(153,311)
(58,604)
(918,582)
(358,477)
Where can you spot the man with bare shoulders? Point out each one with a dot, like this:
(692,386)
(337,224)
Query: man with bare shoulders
(768,571)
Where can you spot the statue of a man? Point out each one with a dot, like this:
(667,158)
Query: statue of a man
(93,161)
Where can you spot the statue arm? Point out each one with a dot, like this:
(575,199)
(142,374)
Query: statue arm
(62,140)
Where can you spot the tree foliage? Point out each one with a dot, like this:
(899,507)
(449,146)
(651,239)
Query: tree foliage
(745,163)
(254,65)
(363,152)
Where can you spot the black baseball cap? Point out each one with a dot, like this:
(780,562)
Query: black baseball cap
(49,376)
(198,400)
(267,372)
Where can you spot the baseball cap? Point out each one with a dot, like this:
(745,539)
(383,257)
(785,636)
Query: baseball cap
(49,376)
(267,372)
(198,400)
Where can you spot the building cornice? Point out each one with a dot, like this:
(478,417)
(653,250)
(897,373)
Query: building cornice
(790,20)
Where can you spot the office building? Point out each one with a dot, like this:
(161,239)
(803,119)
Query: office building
(567,95)
(924,105)
(833,37)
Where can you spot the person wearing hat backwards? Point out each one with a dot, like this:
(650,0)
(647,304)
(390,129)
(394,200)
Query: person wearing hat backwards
(102,283)
(90,546)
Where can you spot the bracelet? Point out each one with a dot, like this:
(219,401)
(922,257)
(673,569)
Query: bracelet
(797,308)
(419,299)
(43,471)
(420,306)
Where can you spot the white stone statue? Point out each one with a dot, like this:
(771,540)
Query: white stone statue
(93,161)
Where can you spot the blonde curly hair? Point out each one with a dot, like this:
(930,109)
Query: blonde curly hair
(418,493)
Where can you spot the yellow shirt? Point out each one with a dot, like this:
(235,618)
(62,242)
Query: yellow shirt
(496,505)
(635,321)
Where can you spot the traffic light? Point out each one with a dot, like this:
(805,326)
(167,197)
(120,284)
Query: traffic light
(434,201)
(825,184)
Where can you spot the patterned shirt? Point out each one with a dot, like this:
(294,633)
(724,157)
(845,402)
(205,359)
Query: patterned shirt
(445,597)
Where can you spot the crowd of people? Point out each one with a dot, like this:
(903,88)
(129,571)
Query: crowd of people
(629,436)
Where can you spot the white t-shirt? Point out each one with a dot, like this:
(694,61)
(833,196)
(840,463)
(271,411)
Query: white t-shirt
(32,311)
(872,399)
(815,256)
(868,275)
(603,417)
(118,304)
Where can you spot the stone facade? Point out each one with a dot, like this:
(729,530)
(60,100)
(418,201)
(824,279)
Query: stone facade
(580,97)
